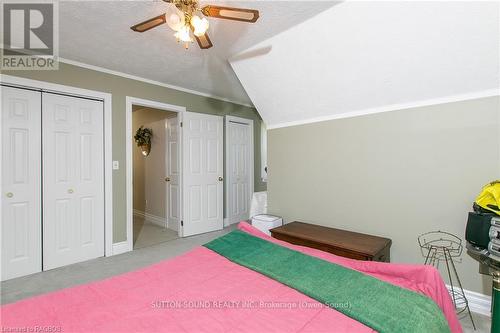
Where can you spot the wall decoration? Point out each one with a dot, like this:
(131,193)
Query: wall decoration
(143,139)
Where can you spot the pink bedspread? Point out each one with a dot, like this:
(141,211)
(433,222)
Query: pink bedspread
(202,291)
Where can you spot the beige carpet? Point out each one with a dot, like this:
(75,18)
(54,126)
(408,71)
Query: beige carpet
(148,234)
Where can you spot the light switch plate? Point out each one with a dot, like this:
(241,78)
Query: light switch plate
(116,165)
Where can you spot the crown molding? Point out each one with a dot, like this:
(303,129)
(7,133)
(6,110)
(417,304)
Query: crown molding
(391,107)
(157,83)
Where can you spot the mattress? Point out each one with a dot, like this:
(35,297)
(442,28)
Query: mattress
(201,291)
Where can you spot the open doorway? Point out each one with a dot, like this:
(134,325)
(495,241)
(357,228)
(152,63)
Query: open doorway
(194,172)
(155,175)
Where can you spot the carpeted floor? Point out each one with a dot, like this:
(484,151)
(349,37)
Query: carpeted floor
(483,323)
(100,268)
(148,234)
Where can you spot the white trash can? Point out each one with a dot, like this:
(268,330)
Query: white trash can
(266,222)
(258,205)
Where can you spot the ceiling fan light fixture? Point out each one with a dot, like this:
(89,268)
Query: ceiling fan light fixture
(184,35)
(200,25)
(175,18)
(180,17)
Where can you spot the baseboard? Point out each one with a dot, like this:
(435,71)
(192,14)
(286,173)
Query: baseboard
(154,219)
(121,247)
(232,220)
(478,303)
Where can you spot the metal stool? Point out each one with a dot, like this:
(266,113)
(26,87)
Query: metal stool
(439,246)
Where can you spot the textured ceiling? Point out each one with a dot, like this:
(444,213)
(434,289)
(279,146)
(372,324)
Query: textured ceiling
(364,57)
(98,33)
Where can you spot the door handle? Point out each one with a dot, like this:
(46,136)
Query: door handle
(9,194)
(221,179)
(70,191)
(167,179)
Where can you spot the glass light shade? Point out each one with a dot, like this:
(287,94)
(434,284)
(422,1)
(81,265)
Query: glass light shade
(200,25)
(183,34)
(175,18)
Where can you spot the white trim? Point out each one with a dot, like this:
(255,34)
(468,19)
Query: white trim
(392,107)
(153,104)
(227,120)
(157,83)
(154,219)
(129,102)
(171,222)
(138,213)
(108,157)
(119,248)
(263,152)
(478,303)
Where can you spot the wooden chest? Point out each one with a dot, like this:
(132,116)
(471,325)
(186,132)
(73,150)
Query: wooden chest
(340,242)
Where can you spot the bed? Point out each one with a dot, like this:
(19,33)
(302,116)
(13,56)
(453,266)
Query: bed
(202,291)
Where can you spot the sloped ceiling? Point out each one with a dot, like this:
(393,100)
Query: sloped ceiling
(359,56)
(98,33)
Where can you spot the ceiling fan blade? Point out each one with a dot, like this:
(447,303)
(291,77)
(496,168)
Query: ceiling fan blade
(204,41)
(149,24)
(230,13)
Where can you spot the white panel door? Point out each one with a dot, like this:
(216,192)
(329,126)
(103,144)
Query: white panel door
(238,173)
(21,179)
(173,174)
(73,180)
(202,139)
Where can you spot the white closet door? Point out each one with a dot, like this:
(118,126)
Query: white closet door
(202,169)
(73,180)
(238,173)
(21,174)
(173,174)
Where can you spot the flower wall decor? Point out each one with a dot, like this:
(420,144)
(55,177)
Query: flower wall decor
(143,139)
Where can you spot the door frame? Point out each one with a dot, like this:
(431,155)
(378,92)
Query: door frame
(43,86)
(129,102)
(227,120)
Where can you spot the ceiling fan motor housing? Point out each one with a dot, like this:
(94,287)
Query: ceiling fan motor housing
(186,6)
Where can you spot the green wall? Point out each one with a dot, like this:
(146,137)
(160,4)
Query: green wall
(121,87)
(396,174)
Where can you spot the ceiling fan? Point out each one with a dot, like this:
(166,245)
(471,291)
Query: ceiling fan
(182,17)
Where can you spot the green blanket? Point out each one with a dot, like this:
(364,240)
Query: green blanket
(377,304)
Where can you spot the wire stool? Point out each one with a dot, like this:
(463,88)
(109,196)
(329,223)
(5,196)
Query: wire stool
(439,246)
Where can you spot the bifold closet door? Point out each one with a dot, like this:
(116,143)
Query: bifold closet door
(21,177)
(73,180)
